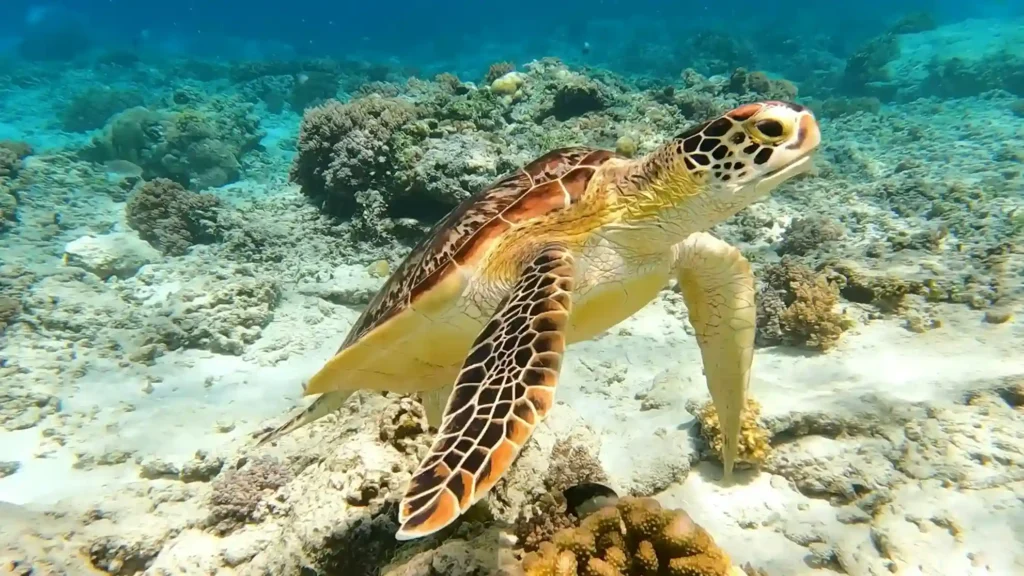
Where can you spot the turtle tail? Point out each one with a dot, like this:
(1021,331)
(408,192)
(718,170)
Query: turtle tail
(327,403)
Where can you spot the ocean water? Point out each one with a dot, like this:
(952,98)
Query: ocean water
(207,211)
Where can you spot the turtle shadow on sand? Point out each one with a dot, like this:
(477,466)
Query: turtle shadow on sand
(711,472)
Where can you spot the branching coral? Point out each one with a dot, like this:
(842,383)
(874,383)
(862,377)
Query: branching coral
(497,70)
(755,439)
(811,317)
(634,537)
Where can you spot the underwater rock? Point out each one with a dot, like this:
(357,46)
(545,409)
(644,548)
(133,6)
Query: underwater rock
(21,408)
(9,467)
(221,313)
(119,254)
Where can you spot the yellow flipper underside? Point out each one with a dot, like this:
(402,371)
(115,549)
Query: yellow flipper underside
(718,288)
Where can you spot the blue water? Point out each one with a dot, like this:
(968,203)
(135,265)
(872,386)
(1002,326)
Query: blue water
(426,34)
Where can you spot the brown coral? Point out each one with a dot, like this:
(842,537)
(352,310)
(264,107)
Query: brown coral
(345,148)
(9,311)
(172,218)
(635,537)
(755,439)
(796,306)
(11,154)
(497,70)
(811,317)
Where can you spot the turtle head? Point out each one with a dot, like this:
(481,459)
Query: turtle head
(741,156)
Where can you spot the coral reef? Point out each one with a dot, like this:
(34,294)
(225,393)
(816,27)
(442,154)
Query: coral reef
(345,149)
(11,156)
(865,72)
(572,464)
(636,536)
(171,218)
(884,452)
(497,70)
(809,234)
(9,310)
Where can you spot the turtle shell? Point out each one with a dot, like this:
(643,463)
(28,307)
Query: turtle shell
(552,182)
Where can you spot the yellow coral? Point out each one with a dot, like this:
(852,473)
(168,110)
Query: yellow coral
(649,541)
(507,84)
(755,440)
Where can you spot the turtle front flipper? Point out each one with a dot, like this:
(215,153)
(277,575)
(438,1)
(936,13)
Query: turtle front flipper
(505,388)
(718,288)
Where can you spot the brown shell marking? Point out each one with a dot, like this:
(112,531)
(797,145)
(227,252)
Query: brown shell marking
(552,182)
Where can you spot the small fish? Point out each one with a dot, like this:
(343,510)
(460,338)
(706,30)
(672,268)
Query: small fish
(118,170)
(584,499)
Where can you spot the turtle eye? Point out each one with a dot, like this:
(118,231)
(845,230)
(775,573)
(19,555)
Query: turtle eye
(770,128)
(767,131)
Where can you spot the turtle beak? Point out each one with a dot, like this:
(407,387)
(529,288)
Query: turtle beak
(801,148)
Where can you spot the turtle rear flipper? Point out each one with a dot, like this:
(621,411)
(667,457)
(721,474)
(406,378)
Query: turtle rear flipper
(506,387)
(327,403)
(718,288)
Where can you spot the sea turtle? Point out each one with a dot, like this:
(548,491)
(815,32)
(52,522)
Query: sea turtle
(478,316)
